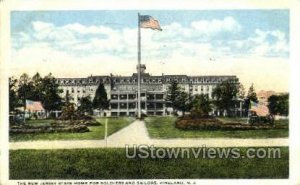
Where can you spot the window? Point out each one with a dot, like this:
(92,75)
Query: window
(114,97)
(131,96)
(150,105)
(131,105)
(123,113)
(159,106)
(159,96)
(114,106)
(123,96)
(123,105)
(114,114)
(150,96)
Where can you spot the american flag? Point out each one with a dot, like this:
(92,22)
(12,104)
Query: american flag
(261,110)
(34,106)
(146,21)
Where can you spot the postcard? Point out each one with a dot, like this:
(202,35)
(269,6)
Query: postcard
(148,93)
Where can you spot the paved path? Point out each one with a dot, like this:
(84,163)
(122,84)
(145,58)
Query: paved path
(136,133)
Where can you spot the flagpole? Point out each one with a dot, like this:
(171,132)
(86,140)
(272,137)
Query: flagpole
(139,67)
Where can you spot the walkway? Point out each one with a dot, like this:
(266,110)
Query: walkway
(136,133)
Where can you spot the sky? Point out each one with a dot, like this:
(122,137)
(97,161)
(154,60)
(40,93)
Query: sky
(252,44)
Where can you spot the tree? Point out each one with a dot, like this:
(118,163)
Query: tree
(67,98)
(50,93)
(13,99)
(173,93)
(182,102)
(225,95)
(100,101)
(86,105)
(69,112)
(241,93)
(37,90)
(251,96)
(200,105)
(25,89)
(279,104)
(45,90)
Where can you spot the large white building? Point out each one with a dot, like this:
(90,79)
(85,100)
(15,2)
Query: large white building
(122,90)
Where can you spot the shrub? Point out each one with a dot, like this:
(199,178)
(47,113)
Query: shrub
(189,122)
(70,116)
(26,129)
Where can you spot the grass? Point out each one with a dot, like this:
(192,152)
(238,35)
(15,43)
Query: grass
(228,120)
(96,132)
(163,127)
(39,122)
(111,163)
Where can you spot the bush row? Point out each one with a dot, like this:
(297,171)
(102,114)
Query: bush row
(75,122)
(47,129)
(215,124)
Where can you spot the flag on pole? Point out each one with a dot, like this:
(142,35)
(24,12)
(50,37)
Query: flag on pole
(146,21)
(261,110)
(34,106)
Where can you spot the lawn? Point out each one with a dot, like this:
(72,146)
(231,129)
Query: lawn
(96,132)
(111,163)
(164,127)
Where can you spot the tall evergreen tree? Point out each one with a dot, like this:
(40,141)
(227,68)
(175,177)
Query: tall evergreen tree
(182,102)
(86,105)
(173,93)
(251,96)
(100,100)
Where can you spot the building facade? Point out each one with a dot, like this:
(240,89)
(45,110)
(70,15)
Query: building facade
(122,90)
